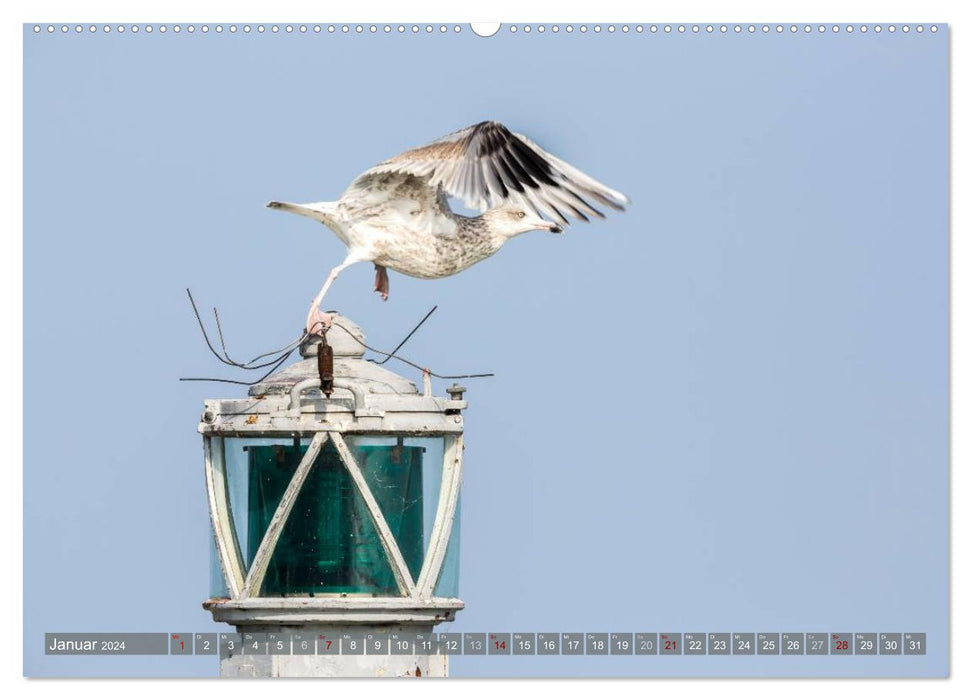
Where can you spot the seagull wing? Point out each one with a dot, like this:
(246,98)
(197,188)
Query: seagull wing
(488,165)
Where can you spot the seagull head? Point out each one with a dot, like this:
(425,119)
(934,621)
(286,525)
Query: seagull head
(512,219)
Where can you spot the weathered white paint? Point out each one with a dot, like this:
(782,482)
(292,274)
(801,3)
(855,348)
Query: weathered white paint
(384,665)
(221,516)
(357,391)
(325,601)
(307,666)
(335,609)
(307,423)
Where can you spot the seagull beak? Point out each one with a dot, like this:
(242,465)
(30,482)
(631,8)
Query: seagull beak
(550,226)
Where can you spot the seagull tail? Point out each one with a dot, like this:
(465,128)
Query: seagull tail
(321,211)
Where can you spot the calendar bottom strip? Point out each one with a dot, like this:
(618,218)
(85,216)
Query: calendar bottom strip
(492,643)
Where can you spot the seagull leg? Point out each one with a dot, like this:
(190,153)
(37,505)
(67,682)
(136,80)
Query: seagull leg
(318,321)
(316,318)
(381,283)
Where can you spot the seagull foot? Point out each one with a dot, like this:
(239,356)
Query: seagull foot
(381,284)
(318,321)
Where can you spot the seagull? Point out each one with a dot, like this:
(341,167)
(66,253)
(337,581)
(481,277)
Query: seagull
(396,215)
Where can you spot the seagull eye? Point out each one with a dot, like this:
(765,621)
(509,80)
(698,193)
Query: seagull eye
(521,214)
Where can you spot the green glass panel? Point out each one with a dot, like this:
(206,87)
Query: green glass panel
(329,543)
(428,482)
(238,486)
(394,475)
(217,584)
(447,585)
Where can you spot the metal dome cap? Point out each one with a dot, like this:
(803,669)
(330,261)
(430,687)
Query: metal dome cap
(366,397)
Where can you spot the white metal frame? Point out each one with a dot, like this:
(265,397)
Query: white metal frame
(221,515)
(244,586)
(448,498)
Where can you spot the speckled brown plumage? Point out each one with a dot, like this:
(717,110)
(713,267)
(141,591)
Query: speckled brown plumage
(397,214)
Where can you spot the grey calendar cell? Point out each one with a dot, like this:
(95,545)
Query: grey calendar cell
(793,643)
(670,643)
(891,643)
(621,643)
(106,643)
(645,643)
(230,645)
(548,643)
(597,643)
(303,643)
(254,643)
(915,643)
(841,644)
(572,643)
(865,643)
(376,644)
(694,643)
(328,644)
(767,643)
(743,643)
(401,643)
(500,643)
(719,643)
(817,643)
(278,643)
(524,643)
(474,643)
(204,644)
(180,643)
(449,643)
(425,643)
(352,644)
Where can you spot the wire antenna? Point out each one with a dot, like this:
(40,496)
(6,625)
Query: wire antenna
(225,358)
(413,364)
(233,381)
(281,355)
(407,337)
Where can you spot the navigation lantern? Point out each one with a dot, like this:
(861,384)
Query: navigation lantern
(335,512)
